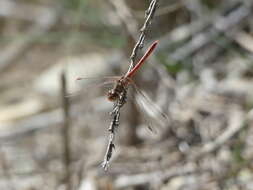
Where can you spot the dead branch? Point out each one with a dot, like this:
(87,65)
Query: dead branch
(140,43)
(126,17)
(163,10)
(112,129)
(66,130)
(122,100)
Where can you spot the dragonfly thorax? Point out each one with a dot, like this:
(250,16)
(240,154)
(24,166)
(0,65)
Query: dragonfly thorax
(119,87)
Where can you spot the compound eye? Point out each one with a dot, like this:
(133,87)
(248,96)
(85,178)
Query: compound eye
(112,96)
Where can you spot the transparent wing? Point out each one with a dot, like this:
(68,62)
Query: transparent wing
(153,115)
(91,84)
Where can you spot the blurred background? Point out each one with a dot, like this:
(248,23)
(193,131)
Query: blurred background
(200,75)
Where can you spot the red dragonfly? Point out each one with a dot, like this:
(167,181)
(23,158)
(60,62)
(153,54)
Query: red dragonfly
(122,83)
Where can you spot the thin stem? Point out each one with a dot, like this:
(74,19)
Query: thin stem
(140,43)
(132,69)
(112,129)
(66,131)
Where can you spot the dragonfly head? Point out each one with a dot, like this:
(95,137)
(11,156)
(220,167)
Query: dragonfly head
(112,95)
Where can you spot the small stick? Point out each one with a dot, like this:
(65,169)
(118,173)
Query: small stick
(66,130)
(112,129)
(122,100)
(149,13)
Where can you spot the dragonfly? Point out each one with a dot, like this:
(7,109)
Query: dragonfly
(122,83)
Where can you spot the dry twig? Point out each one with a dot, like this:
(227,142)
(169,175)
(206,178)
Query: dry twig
(140,43)
(122,100)
(66,130)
